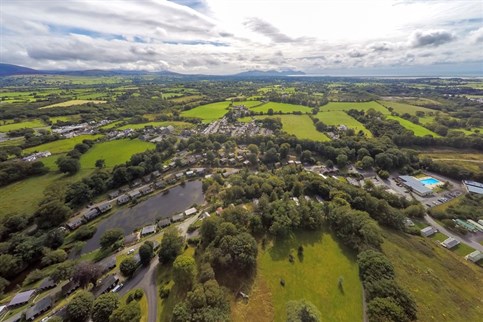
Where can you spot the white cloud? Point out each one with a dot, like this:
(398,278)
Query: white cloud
(226,36)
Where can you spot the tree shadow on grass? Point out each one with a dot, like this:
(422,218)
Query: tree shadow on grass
(283,247)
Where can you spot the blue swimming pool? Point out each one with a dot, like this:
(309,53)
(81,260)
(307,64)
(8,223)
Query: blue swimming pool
(429,181)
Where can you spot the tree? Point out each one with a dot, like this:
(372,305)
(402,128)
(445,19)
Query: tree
(374,266)
(9,265)
(68,165)
(103,307)
(171,245)
(383,174)
(51,214)
(302,311)
(79,308)
(238,251)
(63,271)
(146,253)
(55,238)
(127,313)
(367,162)
(111,237)
(284,150)
(101,163)
(87,272)
(184,271)
(78,194)
(383,161)
(54,257)
(415,211)
(342,160)
(128,266)
(385,310)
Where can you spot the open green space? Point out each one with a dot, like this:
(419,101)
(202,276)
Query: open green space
(114,152)
(402,108)
(61,146)
(186,99)
(248,104)
(313,276)
(360,106)
(281,107)
(445,286)
(336,118)
(177,124)
(208,112)
(67,118)
(416,128)
(21,125)
(73,103)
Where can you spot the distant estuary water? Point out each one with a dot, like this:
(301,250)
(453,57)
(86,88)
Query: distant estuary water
(147,212)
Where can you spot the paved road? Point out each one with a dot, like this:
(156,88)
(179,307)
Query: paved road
(145,277)
(463,240)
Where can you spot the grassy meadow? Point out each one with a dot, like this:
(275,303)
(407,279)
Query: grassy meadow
(73,103)
(402,108)
(137,126)
(248,104)
(209,112)
(346,106)
(335,118)
(61,146)
(313,276)
(416,128)
(21,125)
(281,107)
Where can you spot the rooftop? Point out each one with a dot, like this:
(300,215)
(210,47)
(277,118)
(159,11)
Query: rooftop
(474,187)
(415,184)
(21,298)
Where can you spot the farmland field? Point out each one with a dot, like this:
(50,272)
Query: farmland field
(281,107)
(113,152)
(26,124)
(402,108)
(67,118)
(186,99)
(60,146)
(313,277)
(73,102)
(469,161)
(444,285)
(160,123)
(339,117)
(416,128)
(248,104)
(346,106)
(208,112)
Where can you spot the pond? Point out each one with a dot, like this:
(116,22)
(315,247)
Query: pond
(147,212)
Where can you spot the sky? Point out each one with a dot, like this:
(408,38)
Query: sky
(324,37)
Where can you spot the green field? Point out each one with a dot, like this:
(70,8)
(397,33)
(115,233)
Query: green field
(346,106)
(21,125)
(186,99)
(402,108)
(113,152)
(73,103)
(417,129)
(281,107)
(68,118)
(60,146)
(163,123)
(335,118)
(313,277)
(445,286)
(208,112)
(248,104)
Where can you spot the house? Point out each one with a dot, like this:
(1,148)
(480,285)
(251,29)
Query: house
(46,284)
(110,264)
(40,307)
(178,217)
(75,223)
(113,195)
(190,211)
(21,299)
(146,190)
(105,207)
(473,187)
(247,163)
(136,183)
(474,256)
(449,243)
(123,199)
(204,215)
(428,231)
(131,239)
(160,185)
(134,194)
(107,284)
(148,230)
(156,174)
(415,185)
(91,214)
(164,223)
(16,318)
(190,174)
(69,288)
(179,175)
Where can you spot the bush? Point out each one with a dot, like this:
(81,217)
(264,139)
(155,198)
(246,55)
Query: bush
(85,232)
(164,291)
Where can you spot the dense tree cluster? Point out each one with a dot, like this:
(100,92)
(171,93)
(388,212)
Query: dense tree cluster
(11,171)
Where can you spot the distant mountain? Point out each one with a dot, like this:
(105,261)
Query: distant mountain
(7,70)
(269,73)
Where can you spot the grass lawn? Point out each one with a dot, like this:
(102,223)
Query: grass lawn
(313,277)
(161,123)
(445,286)
(248,104)
(339,117)
(61,146)
(22,125)
(346,106)
(73,102)
(402,108)
(67,118)
(186,99)
(143,303)
(282,107)
(208,112)
(113,152)
(416,128)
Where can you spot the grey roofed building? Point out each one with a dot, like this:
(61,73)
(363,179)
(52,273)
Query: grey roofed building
(107,284)
(148,230)
(91,214)
(47,283)
(156,174)
(415,185)
(40,307)
(134,194)
(191,211)
(449,243)
(74,223)
(15,318)
(113,194)
(428,231)
(69,288)
(474,256)
(21,298)
(105,207)
(146,190)
(159,185)
(131,239)
(474,187)
(123,199)
(164,223)
(109,264)
(177,217)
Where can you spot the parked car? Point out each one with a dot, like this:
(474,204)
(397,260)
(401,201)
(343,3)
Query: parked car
(130,251)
